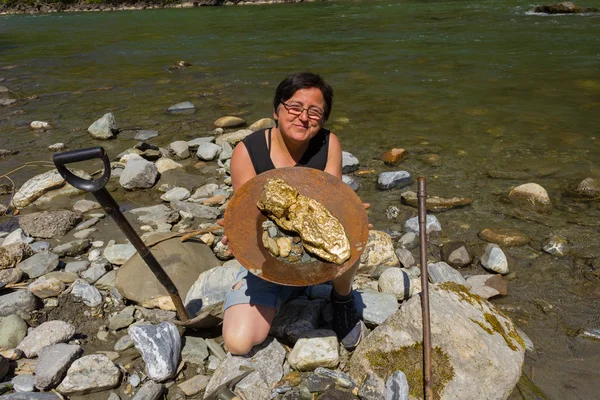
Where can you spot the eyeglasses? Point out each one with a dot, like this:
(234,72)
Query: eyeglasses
(296,110)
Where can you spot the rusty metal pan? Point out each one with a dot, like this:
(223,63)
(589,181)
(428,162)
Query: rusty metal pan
(243,226)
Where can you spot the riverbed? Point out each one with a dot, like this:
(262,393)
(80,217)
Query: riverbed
(492,88)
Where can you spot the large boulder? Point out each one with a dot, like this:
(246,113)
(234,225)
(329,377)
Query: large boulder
(183,262)
(49,224)
(476,350)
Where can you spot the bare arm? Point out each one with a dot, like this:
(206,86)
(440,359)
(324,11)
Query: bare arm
(241,168)
(334,157)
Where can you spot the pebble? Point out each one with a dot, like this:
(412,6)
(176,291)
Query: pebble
(556,245)
(150,390)
(134,380)
(123,343)
(23,383)
(504,237)
(46,334)
(395,179)
(88,294)
(20,302)
(494,259)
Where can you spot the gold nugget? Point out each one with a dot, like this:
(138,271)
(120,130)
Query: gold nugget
(322,234)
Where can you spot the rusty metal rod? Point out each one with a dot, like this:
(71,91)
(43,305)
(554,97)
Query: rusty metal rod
(427,369)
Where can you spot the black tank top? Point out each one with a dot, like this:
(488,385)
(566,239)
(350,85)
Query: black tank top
(315,155)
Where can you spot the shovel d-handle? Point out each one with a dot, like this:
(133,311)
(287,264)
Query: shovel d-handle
(89,185)
(108,203)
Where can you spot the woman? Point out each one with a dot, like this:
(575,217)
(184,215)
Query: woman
(301,106)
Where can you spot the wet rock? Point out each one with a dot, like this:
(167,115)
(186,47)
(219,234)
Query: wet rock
(208,151)
(394,179)
(396,387)
(177,193)
(157,216)
(565,7)
(73,248)
(295,318)
(192,259)
(46,334)
(83,206)
(229,122)
(263,123)
(104,128)
(197,210)
(89,295)
(56,147)
(349,163)
(12,331)
(589,187)
(435,203)
(531,196)
(53,362)
(165,164)
(405,257)
(46,287)
(378,251)
(317,348)
(160,347)
(393,156)
(441,272)
(184,107)
(12,254)
(39,264)
(233,138)
(556,245)
(395,281)
(23,383)
(473,341)
(432,225)
(456,254)
(138,174)
(93,373)
(144,135)
(494,259)
(20,302)
(433,160)
(150,391)
(351,181)
(179,149)
(504,237)
(49,224)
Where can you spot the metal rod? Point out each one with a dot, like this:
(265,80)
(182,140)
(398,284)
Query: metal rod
(427,369)
(112,208)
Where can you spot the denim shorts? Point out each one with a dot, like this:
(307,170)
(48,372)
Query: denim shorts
(258,292)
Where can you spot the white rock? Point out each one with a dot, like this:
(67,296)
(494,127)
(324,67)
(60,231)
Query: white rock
(103,128)
(208,151)
(165,164)
(46,334)
(39,125)
(494,259)
(397,282)
(178,193)
(316,348)
(118,253)
(180,149)
(93,373)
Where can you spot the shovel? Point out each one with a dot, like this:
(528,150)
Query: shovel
(97,188)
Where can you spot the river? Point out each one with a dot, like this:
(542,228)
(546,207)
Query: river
(488,86)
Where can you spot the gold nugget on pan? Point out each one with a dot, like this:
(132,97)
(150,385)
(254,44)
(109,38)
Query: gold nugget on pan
(321,233)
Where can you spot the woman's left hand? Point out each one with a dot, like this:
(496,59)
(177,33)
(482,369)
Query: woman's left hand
(367,206)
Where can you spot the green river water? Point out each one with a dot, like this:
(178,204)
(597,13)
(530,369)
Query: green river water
(487,85)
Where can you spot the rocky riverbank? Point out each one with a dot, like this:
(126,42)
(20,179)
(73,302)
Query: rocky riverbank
(35,7)
(80,313)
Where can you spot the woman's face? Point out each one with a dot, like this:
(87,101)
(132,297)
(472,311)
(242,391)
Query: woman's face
(304,126)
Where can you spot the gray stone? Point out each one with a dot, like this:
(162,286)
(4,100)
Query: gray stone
(156,216)
(31,396)
(122,319)
(154,316)
(349,163)
(316,348)
(160,347)
(375,307)
(10,275)
(107,281)
(77,266)
(49,224)
(372,388)
(226,152)
(83,206)
(210,288)
(409,240)
(215,349)
(138,174)
(177,193)
(316,383)
(441,272)
(87,224)
(194,350)
(230,369)
(150,391)
(205,191)
(341,379)
(85,233)
(233,138)
(104,128)
(432,225)
(456,254)
(465,342)
(12,331)
(197,210)
(39,264)
(494,259)
(40,247)
(194,143)
(351,181)
(96,271)
(46,287)
(118,253)
(90,296)
(396,387)
(405,257)
(53,363)
(397,282)
(93,373)
(16,236)
(295,318)
(184,107)
(144,135)
(20,302)
(23,383)
(46,334)
(394,179)
(179,149)
(208,151)
(123,343)
(73,248)
(134,380)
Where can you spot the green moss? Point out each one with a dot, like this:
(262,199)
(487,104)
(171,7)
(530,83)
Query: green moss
(409,359)
(463,293)
(510,336)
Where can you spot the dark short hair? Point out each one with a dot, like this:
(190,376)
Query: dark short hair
(303,80)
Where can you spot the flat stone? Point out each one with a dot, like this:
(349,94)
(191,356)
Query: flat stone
(73,248)
(504,237)
(39,264)
(183,107)
(46,287)
(150,391)
(12,331)
(49,224)
(435,203)
(53,362)
(77,266)
(177,193)
(349,163)
(20,302)
(375,307)
(229,122)
(122,319)
(36,187)
(160,347)
(144,135)
(118,253)
(197,210)
(394,179)
(124,343)
(441,272)
(93,373)
(46,334)
(195,350)
(194,385)
(87,224)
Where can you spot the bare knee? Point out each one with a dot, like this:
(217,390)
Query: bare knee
(240,343)
(245,326)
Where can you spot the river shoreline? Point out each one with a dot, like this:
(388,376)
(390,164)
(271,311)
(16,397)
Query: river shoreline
(19,9)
